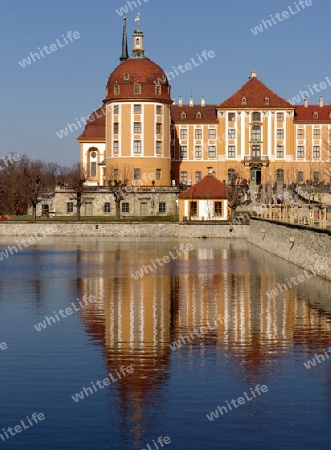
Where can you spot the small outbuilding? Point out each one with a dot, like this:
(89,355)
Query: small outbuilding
(206,200)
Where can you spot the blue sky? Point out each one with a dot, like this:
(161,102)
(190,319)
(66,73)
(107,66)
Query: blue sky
(40,99)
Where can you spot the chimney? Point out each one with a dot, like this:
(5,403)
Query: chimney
(253,74)
(321,102)
(203,102)
(305,102)
(180,102)
(191,101)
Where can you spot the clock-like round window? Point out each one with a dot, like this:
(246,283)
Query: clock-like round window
(126,76)
(93,154)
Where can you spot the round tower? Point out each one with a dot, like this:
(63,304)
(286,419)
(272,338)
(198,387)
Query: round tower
(138,118)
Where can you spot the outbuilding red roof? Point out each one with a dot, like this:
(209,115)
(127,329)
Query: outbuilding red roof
(208,188)
(255,92)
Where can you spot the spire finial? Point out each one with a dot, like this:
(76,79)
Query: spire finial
(138,41)
(137,19)
(125,53)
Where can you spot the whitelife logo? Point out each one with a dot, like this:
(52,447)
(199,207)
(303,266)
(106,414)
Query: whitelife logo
(125,9)
(318,358)
(121,373)
(71,127)
(140,273)
(296,280)
(280,17)
(12,431)
(33,57)
(241,401)
(49,229)
(189,337)
(305,94)
(64,313)
(183,68)
(9,159)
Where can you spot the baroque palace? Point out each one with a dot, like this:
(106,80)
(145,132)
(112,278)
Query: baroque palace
(145,138)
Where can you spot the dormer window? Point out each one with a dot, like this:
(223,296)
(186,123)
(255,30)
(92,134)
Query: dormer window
(315,115)
(198,115)
(158,89)
(183,115)
(266,101)
(126,76)
(244,101)
(137,89)
(116,89)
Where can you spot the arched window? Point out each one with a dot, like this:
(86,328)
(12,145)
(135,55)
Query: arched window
(256,117)
(256,133)
(280,175)
(244,101)
(315,115)
(198,115)
(93,154)
(183,116)
(266,101)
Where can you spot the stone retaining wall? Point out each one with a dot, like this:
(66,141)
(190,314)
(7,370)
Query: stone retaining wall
(133,229)
(309,248)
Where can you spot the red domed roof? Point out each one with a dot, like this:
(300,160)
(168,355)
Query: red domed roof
(138,71)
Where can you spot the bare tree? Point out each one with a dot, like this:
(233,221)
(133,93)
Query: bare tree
(25,183)
(34,181)
(120,183)
(74,178)
(237,193)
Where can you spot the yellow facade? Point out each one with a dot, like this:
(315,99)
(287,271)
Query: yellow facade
(138,148)
(151,140)
(278,148)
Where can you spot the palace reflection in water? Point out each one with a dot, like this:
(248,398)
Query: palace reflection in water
(136,320)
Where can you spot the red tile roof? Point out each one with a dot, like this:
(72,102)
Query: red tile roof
(208,114)
(255,92)
(138,71)
(306,114)
(208,188)
(95,127)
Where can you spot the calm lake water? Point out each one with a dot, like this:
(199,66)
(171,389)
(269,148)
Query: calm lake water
(121,344)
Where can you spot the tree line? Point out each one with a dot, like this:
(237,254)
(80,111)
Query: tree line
(25,182)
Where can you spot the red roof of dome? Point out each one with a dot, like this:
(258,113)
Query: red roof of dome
(141,71)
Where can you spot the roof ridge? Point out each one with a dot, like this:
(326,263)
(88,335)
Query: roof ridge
(257,91)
